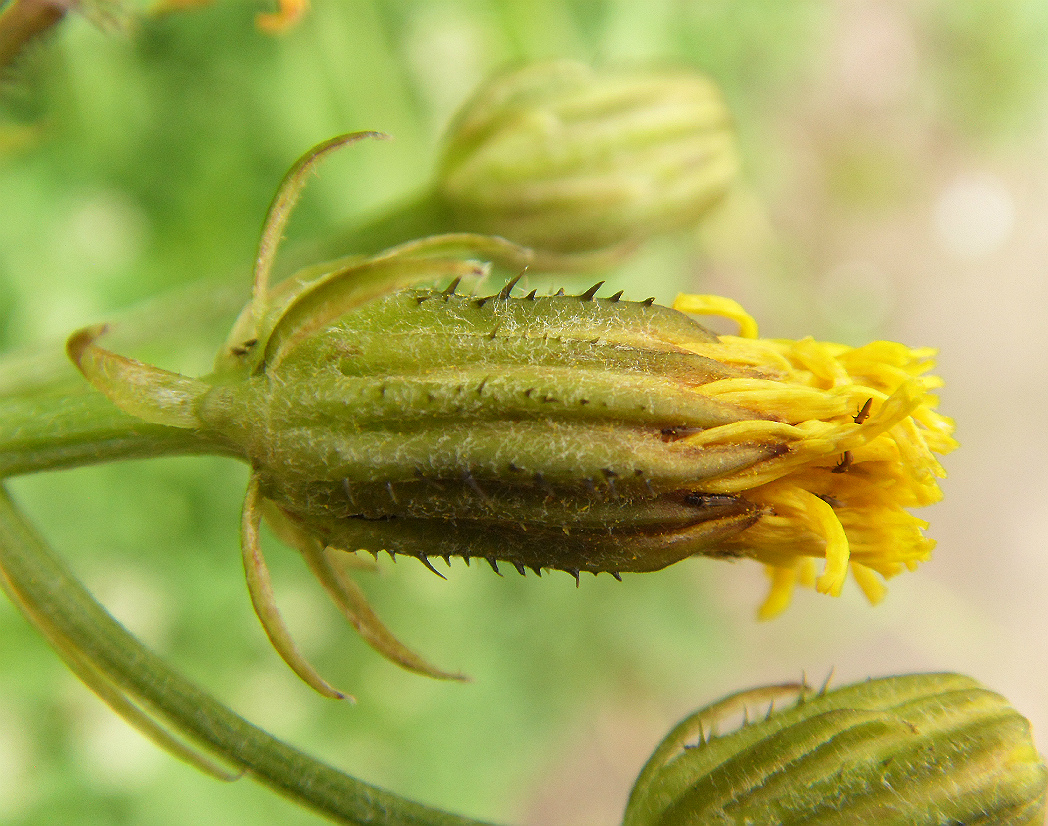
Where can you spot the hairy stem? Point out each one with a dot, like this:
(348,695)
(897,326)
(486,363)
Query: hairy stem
(50,596)
(71,424)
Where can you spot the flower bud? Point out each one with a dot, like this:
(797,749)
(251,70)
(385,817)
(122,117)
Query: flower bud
(914,750)
(572,161)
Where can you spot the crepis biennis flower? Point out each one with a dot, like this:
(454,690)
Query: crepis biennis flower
(572,432)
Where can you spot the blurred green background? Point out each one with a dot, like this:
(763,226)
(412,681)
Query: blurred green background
(894,186)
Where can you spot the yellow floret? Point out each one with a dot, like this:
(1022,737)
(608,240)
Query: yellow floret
(861,428)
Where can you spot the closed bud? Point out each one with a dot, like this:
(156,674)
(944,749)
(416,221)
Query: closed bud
(573,161)
(914,750)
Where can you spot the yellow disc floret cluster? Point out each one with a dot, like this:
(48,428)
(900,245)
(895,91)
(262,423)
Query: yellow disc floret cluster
(861,427)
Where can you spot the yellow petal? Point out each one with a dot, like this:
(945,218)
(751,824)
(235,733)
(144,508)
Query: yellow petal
(869,582)
(783,581)
(837,554)
(720,306)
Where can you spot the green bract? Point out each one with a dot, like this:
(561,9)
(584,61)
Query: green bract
(543,432)
(915,750)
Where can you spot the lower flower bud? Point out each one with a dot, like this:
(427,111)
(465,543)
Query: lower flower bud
(914,750)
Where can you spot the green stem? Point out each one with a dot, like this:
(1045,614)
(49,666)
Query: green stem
(70,424)
(51,418)
(44,588)
(421,217)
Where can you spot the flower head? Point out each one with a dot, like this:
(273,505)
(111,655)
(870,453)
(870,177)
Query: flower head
(581,433)
(570,432)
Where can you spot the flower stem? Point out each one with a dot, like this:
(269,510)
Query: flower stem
(71,619)
(419,217)
(51,418)
(70,424)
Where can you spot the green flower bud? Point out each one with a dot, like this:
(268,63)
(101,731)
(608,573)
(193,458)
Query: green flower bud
(915,750)
(571,161)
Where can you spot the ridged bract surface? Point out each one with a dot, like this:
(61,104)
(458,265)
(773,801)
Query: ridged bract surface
(913,750)
(547,432)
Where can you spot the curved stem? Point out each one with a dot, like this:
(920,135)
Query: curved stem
(49,594)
